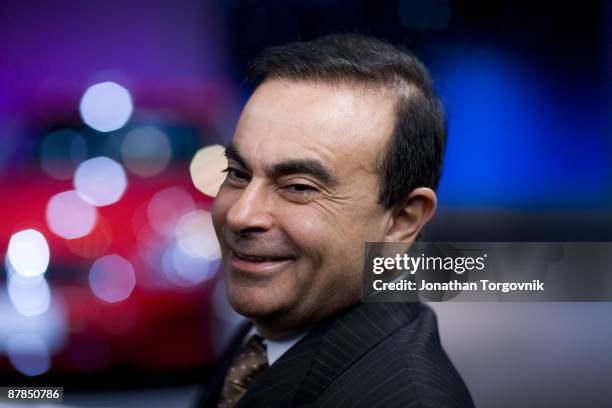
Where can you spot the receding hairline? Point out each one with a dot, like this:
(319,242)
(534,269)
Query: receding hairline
(399,88)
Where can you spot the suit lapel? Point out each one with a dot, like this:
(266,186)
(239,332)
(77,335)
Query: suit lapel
(301,374)
(346,338)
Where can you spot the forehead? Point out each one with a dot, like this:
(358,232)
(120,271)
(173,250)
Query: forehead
(342,126)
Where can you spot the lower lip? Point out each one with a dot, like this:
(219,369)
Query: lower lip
(249,266)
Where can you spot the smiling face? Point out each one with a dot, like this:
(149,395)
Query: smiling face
(300,199)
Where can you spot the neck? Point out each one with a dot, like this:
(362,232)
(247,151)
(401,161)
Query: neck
(272,332)
(277,328)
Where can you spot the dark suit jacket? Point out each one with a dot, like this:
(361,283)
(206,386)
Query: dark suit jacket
(372,355)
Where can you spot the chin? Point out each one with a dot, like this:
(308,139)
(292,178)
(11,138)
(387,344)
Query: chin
(255,303)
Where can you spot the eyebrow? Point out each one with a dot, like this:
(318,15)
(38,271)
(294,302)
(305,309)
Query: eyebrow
(231,153)
(312,167)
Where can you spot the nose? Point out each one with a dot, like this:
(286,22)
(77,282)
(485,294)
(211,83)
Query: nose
(250,212)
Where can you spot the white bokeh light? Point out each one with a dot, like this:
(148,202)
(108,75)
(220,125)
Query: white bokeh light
(146,151)
(29,296)
(51,326)
(28,253)
(28,353)
(69,216)
(196,237)
(112,278)
(167,207)
(100,181)
(106,106)
(185,270)
(206,169)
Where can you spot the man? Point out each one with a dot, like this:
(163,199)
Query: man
(340,144)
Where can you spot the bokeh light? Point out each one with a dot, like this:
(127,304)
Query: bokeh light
(146,151)
(69,216)
(206,169)
(112,278)
(28,253)
(152,248)
(51,326)
(100,181)
(196,237)
(167,207)
(106,106)
(61,152)
(185,270)
(30,296)
(95,243)
(28,353)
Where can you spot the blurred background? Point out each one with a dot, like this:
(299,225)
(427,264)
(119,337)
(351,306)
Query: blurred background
(112,115)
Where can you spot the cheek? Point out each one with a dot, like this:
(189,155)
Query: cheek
(307,229)
(336,240)
(321,236)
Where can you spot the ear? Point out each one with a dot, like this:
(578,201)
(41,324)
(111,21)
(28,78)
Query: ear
(411,215)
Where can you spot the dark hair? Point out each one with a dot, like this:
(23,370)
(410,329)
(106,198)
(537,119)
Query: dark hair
(413,156)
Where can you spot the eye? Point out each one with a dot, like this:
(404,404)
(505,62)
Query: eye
(300,188)
(235,174)
(300,193)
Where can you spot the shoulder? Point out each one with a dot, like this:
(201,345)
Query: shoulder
(433,376)
(407,368)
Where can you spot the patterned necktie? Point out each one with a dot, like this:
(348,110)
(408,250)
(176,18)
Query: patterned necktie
(249,363)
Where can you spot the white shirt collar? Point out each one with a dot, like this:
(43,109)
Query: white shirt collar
(276,348)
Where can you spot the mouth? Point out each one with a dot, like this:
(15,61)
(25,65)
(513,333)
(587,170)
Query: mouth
(257,263)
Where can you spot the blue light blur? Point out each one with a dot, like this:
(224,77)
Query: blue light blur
(518,139)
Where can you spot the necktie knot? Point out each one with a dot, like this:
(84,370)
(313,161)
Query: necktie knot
(248,364)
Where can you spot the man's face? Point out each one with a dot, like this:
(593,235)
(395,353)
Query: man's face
(300,199)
